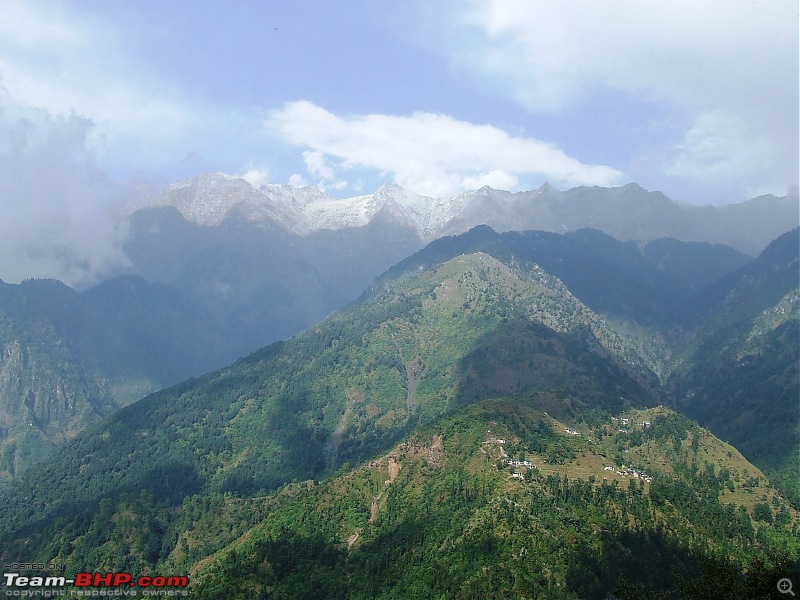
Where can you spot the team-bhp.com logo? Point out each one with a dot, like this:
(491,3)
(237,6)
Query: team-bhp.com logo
(94,584)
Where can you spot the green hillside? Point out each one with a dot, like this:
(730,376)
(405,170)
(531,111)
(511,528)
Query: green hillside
(345,390)
(69,358)
(444,515)
(125,337)
(741,375)
(400,415)
(720,331)
(652,294)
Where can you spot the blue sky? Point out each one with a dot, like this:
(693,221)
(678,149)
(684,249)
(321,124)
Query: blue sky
(698,99)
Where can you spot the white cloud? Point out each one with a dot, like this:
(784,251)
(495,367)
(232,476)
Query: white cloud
(52,60)
(718,150)
(59,216)
(317,164)
(256,176)
(696,52)
(297,180)
(716,146)
(70,62)
(736,59)
(25,27)
(701,62)
(431,154)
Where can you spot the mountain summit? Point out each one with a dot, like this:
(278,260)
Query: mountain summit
(627,212)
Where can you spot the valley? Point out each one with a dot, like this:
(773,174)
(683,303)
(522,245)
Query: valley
(499,413)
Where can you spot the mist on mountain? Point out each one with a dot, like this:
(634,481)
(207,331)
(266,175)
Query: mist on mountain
(61,214)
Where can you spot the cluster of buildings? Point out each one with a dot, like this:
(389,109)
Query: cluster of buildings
(513,462)
(625,422)
(630,472)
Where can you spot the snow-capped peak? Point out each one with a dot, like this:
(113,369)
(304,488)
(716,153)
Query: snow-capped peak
(208,199)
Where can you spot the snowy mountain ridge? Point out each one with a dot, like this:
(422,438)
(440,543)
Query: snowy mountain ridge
(629,212)
(209,198)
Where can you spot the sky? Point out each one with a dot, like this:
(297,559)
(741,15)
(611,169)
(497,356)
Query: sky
(102,99)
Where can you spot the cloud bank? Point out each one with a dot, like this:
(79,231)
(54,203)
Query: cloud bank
(58,210)
(693,52)
(724,75)
(429,153)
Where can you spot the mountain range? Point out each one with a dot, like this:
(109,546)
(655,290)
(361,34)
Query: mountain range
(627,213)
(105,347)
(269,262)
(219,268)
(501,363)
(559,350)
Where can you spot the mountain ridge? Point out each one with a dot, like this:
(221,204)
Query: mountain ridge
(473,321)
(356,382)
(69,358)
(626,212)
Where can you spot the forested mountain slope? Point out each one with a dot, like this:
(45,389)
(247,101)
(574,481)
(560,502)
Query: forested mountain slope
(465,330)
(126,337)
(501,500)
(741,376)
(69,358)
(423,357)
(720,330)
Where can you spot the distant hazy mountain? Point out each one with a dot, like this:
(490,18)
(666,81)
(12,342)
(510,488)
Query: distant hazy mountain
(257,260)
(270,262)
(69,358)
